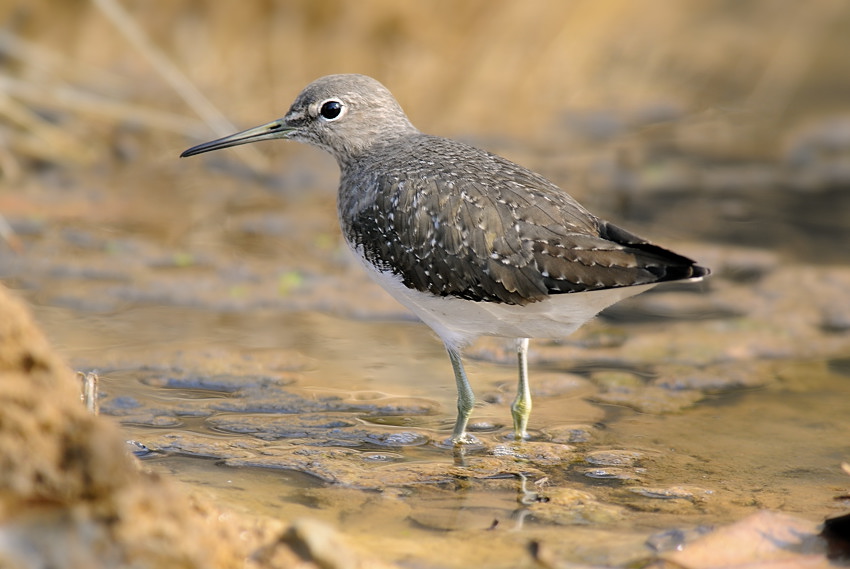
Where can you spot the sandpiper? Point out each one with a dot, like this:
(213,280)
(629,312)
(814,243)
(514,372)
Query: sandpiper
(472,243)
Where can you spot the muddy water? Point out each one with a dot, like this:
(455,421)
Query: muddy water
(371,399)
(245,353)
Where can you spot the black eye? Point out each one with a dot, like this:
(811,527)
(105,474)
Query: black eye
(330,110)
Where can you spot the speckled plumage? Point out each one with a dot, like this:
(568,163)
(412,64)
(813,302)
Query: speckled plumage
(471,242)
(454,220)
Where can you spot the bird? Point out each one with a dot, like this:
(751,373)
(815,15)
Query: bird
(470,242)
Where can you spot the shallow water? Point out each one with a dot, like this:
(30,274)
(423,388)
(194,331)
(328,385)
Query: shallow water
(226,402)
(239,343)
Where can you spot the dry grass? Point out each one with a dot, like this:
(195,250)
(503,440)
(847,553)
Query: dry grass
(75,75)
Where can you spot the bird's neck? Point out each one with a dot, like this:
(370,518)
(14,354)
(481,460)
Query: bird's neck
(367,145)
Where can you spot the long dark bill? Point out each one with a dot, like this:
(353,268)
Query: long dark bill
(268,131)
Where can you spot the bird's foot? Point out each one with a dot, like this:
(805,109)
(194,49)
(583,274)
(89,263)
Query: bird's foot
(463,439)
(520,436)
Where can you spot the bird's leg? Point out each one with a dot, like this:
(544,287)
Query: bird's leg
(521,407)
(465,399)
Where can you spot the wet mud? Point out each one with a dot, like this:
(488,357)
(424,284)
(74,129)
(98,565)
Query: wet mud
(243,352)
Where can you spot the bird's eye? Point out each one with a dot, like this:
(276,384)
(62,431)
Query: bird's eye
(331,110)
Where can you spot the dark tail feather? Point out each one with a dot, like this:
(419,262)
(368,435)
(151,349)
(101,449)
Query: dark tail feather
(665,264)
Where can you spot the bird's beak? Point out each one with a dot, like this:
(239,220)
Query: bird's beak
(274,129)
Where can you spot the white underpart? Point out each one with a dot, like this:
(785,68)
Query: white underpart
(458,321)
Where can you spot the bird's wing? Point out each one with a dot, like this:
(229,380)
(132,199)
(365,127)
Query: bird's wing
(498,233)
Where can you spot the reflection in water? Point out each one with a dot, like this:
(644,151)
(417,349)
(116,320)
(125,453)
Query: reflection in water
(331,428)
(679,409)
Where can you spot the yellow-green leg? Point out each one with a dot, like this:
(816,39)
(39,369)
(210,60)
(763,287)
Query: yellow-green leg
(521,407)
(465,399)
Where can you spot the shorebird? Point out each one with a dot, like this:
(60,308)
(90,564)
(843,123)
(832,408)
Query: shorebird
(470,242)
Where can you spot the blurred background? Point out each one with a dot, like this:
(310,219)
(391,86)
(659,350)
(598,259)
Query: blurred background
(741,105)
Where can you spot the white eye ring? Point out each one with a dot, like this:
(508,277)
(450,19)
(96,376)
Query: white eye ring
(331,110)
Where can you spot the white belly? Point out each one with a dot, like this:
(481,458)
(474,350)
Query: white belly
(459,321)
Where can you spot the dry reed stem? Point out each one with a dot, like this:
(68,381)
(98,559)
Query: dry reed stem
(67,98)
(42,139)
(482,66)
(169,72)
